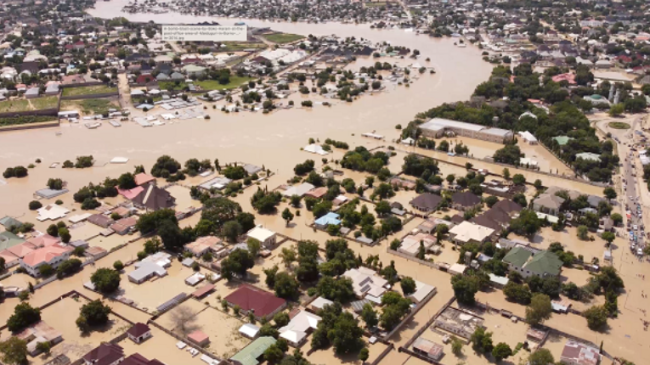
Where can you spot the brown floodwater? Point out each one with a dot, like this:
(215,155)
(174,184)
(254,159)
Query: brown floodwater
(272,140)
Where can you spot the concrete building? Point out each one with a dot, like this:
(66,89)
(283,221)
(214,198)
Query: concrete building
(438,127)
(576,353)
(470,232)
(266,237)
(139,332)
(51,255)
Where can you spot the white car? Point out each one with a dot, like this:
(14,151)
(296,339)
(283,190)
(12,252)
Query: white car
(635,227)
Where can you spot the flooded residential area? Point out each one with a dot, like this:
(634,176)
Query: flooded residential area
(371,183)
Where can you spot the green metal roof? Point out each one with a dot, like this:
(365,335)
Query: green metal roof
(8,222)
(517,256)
(250,353)
(562,140)
(545,262)
(8,240)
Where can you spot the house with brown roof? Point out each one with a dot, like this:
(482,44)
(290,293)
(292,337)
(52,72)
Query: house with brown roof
(426,202)
(257,301)
(206,244)
(142,179)
(153,198)
(465,200)
(124,225)
(139,333)
(100,220)
(104,354)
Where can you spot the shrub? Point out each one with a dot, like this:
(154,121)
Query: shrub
(35,204)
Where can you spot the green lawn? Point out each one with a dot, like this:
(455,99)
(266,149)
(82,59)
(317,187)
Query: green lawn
(375,4)
(20,105)
(11,121)
(619,125)
(282,38)
(240,46)
(46,102)
(88,90)
(235,82)
(89,106)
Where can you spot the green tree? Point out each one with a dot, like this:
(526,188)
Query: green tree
(273,354)
(465,289)
(118,265)
(287,215)
(93,314)
(44,347)
(231,230)
(254,247)
(270,276)
(539,310)
(610,193)
(596,317)
(482,340)
(363,354)
(541,357)
(382,208)
(369,315)
(457,346)
(281,319)
(501,351)
(583,232)
(526,224)
(24,316)
(14,351)
(286,286)
(237,263)
(616,109)
(408,286)
(106,281)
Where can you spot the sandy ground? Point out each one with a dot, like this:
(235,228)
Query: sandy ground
(61,316)
(162,347)
(225,339)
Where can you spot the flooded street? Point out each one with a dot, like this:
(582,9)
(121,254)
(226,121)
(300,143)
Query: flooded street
(272,140)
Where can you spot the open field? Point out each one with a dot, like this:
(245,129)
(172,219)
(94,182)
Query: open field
(45,102)
(162,347)
(19,105)
(225,339)
(61,316)
(618,125)
(235,82)
(88,90)
(282,38)
(241,46)
(89,106)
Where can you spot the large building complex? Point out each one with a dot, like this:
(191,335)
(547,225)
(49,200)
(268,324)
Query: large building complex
(438,127)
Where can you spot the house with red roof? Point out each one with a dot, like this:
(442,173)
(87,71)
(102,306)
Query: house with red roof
(257,301)
(52,255)
(568,77)
(145,79)
(142,179)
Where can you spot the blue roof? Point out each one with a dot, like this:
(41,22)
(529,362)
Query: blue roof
(327,219)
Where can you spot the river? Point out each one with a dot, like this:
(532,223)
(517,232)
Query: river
(272,140)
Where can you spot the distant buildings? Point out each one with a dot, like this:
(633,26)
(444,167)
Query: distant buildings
(438,127)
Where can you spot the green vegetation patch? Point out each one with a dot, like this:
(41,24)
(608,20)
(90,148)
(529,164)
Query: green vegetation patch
(282,38)
(20,105)
(89,106)
(46,102)
(235,82)
(240,46)
(377,4)
(88,90)
(619,125)
(10,121)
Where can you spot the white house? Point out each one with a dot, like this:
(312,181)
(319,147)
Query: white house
(52,255)
(266,237)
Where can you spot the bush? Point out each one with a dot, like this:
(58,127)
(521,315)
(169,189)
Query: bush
(35,205)
(118,265)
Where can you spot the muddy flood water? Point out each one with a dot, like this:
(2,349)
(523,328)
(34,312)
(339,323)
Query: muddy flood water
(272,139)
